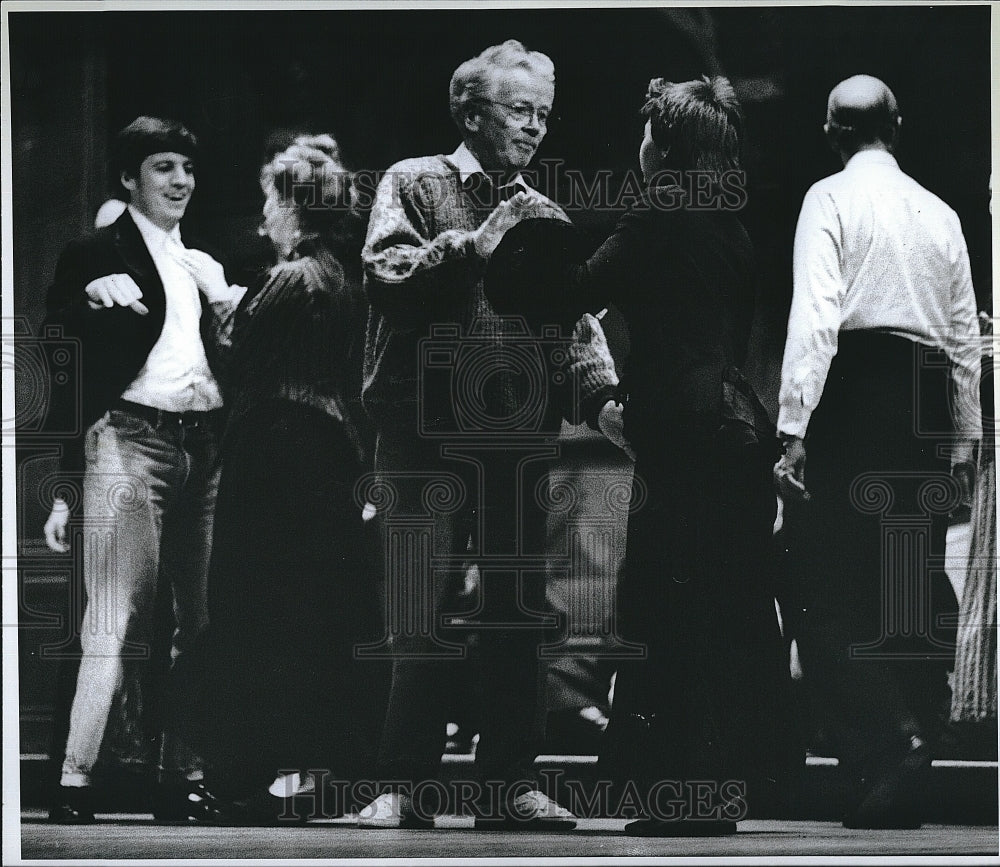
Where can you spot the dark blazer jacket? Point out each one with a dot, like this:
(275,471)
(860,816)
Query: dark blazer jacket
(113,342)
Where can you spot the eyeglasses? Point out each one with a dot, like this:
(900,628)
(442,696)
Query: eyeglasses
(522,112)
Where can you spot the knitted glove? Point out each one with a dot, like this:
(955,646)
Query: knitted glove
(591,370)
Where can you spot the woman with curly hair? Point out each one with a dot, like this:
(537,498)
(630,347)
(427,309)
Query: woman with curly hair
(276,686)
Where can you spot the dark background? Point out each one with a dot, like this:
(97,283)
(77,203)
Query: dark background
(379,82)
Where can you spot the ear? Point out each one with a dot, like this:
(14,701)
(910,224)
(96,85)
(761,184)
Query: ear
(831,139)
(128,182)
(473,119)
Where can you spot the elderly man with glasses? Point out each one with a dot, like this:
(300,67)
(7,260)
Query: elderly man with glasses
(458,428)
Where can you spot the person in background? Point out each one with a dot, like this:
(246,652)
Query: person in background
(881,283)
(274,685)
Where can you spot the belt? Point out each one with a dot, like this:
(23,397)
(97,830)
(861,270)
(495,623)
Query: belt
(158,417)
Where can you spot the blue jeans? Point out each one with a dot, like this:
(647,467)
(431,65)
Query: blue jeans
(149,496)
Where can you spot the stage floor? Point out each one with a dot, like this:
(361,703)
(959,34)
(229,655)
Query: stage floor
(136,836)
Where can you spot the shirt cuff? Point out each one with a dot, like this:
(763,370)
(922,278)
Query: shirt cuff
(230,298)
(793,422)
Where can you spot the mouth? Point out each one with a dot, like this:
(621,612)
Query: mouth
(178,198)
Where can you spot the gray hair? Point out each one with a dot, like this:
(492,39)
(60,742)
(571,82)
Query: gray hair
(472,80)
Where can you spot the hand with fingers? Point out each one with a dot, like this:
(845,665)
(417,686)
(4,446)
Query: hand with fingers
(790,470)
(55,527)
(532,204)
(504,216)
(115,289)
(528,204)
(612,424)
(207,272)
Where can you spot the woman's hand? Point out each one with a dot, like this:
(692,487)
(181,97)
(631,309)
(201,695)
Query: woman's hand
(612,425)
(207,272)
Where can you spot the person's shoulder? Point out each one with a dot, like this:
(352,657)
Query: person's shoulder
(86,249)
(313,274)
(97,237)
(930,201)
(414,167)
(831,184)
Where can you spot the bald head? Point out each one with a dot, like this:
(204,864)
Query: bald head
(862,113)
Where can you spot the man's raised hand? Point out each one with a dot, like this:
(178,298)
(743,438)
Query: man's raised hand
(115,289)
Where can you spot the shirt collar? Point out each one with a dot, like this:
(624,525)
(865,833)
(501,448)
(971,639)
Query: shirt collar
(873,157)
(153,235)
(468,165)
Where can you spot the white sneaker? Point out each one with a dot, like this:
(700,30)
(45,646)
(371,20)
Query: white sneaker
(532,811)
(393,810)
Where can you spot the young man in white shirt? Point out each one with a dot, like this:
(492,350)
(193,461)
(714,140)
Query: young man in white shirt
(144,457)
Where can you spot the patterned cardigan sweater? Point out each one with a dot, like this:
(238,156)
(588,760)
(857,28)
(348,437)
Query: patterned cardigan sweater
(421,272)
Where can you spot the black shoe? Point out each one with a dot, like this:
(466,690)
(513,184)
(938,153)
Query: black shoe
(189,801)
(576,731)
(264,810)
(74,806)
(894,797)
(680,828)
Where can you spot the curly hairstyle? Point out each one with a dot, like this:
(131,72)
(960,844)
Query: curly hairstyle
(309,176)
(699,124)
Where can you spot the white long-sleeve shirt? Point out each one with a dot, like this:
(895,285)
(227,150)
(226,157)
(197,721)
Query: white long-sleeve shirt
(874,250)
(176,376)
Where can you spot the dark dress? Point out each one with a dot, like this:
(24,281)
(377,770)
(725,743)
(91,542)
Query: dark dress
(274,684)
(709,699)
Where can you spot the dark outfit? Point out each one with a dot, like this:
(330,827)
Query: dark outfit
(709,700)
(274,684)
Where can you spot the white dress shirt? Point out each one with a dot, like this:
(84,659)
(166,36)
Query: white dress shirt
(176,376)
(876,251)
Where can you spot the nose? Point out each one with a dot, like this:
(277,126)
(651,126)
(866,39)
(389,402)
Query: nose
(533,124)
(180,177)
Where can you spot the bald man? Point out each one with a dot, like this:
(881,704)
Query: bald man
(880,382)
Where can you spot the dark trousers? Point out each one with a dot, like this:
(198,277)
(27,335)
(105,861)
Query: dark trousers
(442,506)
(710,700)
(275,683)
(874,647)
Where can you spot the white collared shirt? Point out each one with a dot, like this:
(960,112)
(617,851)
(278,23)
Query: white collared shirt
(176,376)
(874,250)
(468,165)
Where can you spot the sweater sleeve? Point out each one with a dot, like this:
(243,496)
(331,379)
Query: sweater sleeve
(413,276)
